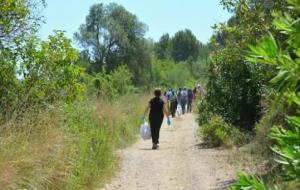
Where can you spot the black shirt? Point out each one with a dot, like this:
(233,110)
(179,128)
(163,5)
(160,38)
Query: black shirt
(156,107)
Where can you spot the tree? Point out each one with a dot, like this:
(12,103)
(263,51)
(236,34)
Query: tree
(163,47)
(18,18)
(112,36)
(235,86)
(185,45)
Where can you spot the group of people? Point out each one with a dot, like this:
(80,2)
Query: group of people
(167,104)
(182,98)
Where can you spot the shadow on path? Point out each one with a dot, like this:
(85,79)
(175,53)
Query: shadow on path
(224,185)
(204,145)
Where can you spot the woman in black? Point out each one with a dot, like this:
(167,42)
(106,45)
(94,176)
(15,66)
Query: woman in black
(157,109)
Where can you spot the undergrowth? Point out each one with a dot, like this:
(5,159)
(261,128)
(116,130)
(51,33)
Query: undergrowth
(67,146)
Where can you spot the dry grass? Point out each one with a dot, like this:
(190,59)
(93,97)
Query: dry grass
(33,153)
(57,149)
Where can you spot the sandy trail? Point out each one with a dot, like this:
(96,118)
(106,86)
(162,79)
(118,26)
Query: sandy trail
(180,162)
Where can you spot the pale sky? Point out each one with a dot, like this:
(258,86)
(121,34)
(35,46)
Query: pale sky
(161,16)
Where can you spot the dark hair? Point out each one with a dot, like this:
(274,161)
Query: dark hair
(157,92)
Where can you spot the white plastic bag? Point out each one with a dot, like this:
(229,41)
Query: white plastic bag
(179,111)
(145,131)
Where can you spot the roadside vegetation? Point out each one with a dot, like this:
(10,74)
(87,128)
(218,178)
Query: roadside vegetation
(63,111)
(252,95)
(66,108)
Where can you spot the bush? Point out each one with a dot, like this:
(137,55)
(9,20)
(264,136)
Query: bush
(167,73)
(67,146)
(47,74)
(204,114)
(248,182)
(111,85)
(216,132)
(285,57)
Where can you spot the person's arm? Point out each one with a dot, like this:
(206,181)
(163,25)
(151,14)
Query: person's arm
(167,114)
(166,110)
(146,110)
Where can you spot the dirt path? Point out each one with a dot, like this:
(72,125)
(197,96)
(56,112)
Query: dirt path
(180,162)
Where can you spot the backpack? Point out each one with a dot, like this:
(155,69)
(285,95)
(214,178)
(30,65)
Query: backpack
(169,95)
(183,94)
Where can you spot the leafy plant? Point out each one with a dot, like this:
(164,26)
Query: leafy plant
(285,56)
(245,182)
(114,84)
(216,132)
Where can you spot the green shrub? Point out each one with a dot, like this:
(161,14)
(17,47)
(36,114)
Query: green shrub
(260,144)
(47,74)
(217,132)
(245,182)
(112,85)
(167,73)
(204,114)
(285,57)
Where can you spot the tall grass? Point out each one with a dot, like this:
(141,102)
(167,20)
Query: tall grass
(67,146)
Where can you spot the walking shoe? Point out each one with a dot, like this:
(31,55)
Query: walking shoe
(154,147)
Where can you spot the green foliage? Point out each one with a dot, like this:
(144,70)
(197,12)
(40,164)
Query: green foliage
(112,36)
(67,146)
(92,147)
(18,23)
(163,47)
(17,19)
(49,70)
(245,182)
(113,85)
(184,46)
(46,73)
(216,132)
(235,86)
(98,129)
(285,56)
(204,114)
(167,73)
(287,82)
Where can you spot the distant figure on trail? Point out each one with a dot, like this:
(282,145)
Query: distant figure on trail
(190,100)
(183,99)
(157,109)
(173,102)
(200,90)
(179,95)
(195,93)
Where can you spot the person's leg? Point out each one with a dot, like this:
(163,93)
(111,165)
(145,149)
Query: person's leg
(159,123)
(173,108)
(155,125)
(183,104)
(190,106)
(153,129)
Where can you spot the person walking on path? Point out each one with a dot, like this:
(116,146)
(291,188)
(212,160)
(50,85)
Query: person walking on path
(183,99)
(190,100)
(157,109)
(173,103)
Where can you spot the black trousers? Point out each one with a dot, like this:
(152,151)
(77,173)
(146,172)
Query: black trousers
(173,108)
(155,124)
(189,108)
(183,105)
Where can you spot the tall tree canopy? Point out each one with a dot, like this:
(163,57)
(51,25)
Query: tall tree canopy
(18,18)
(163,47)
(185,45)
(112,36)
